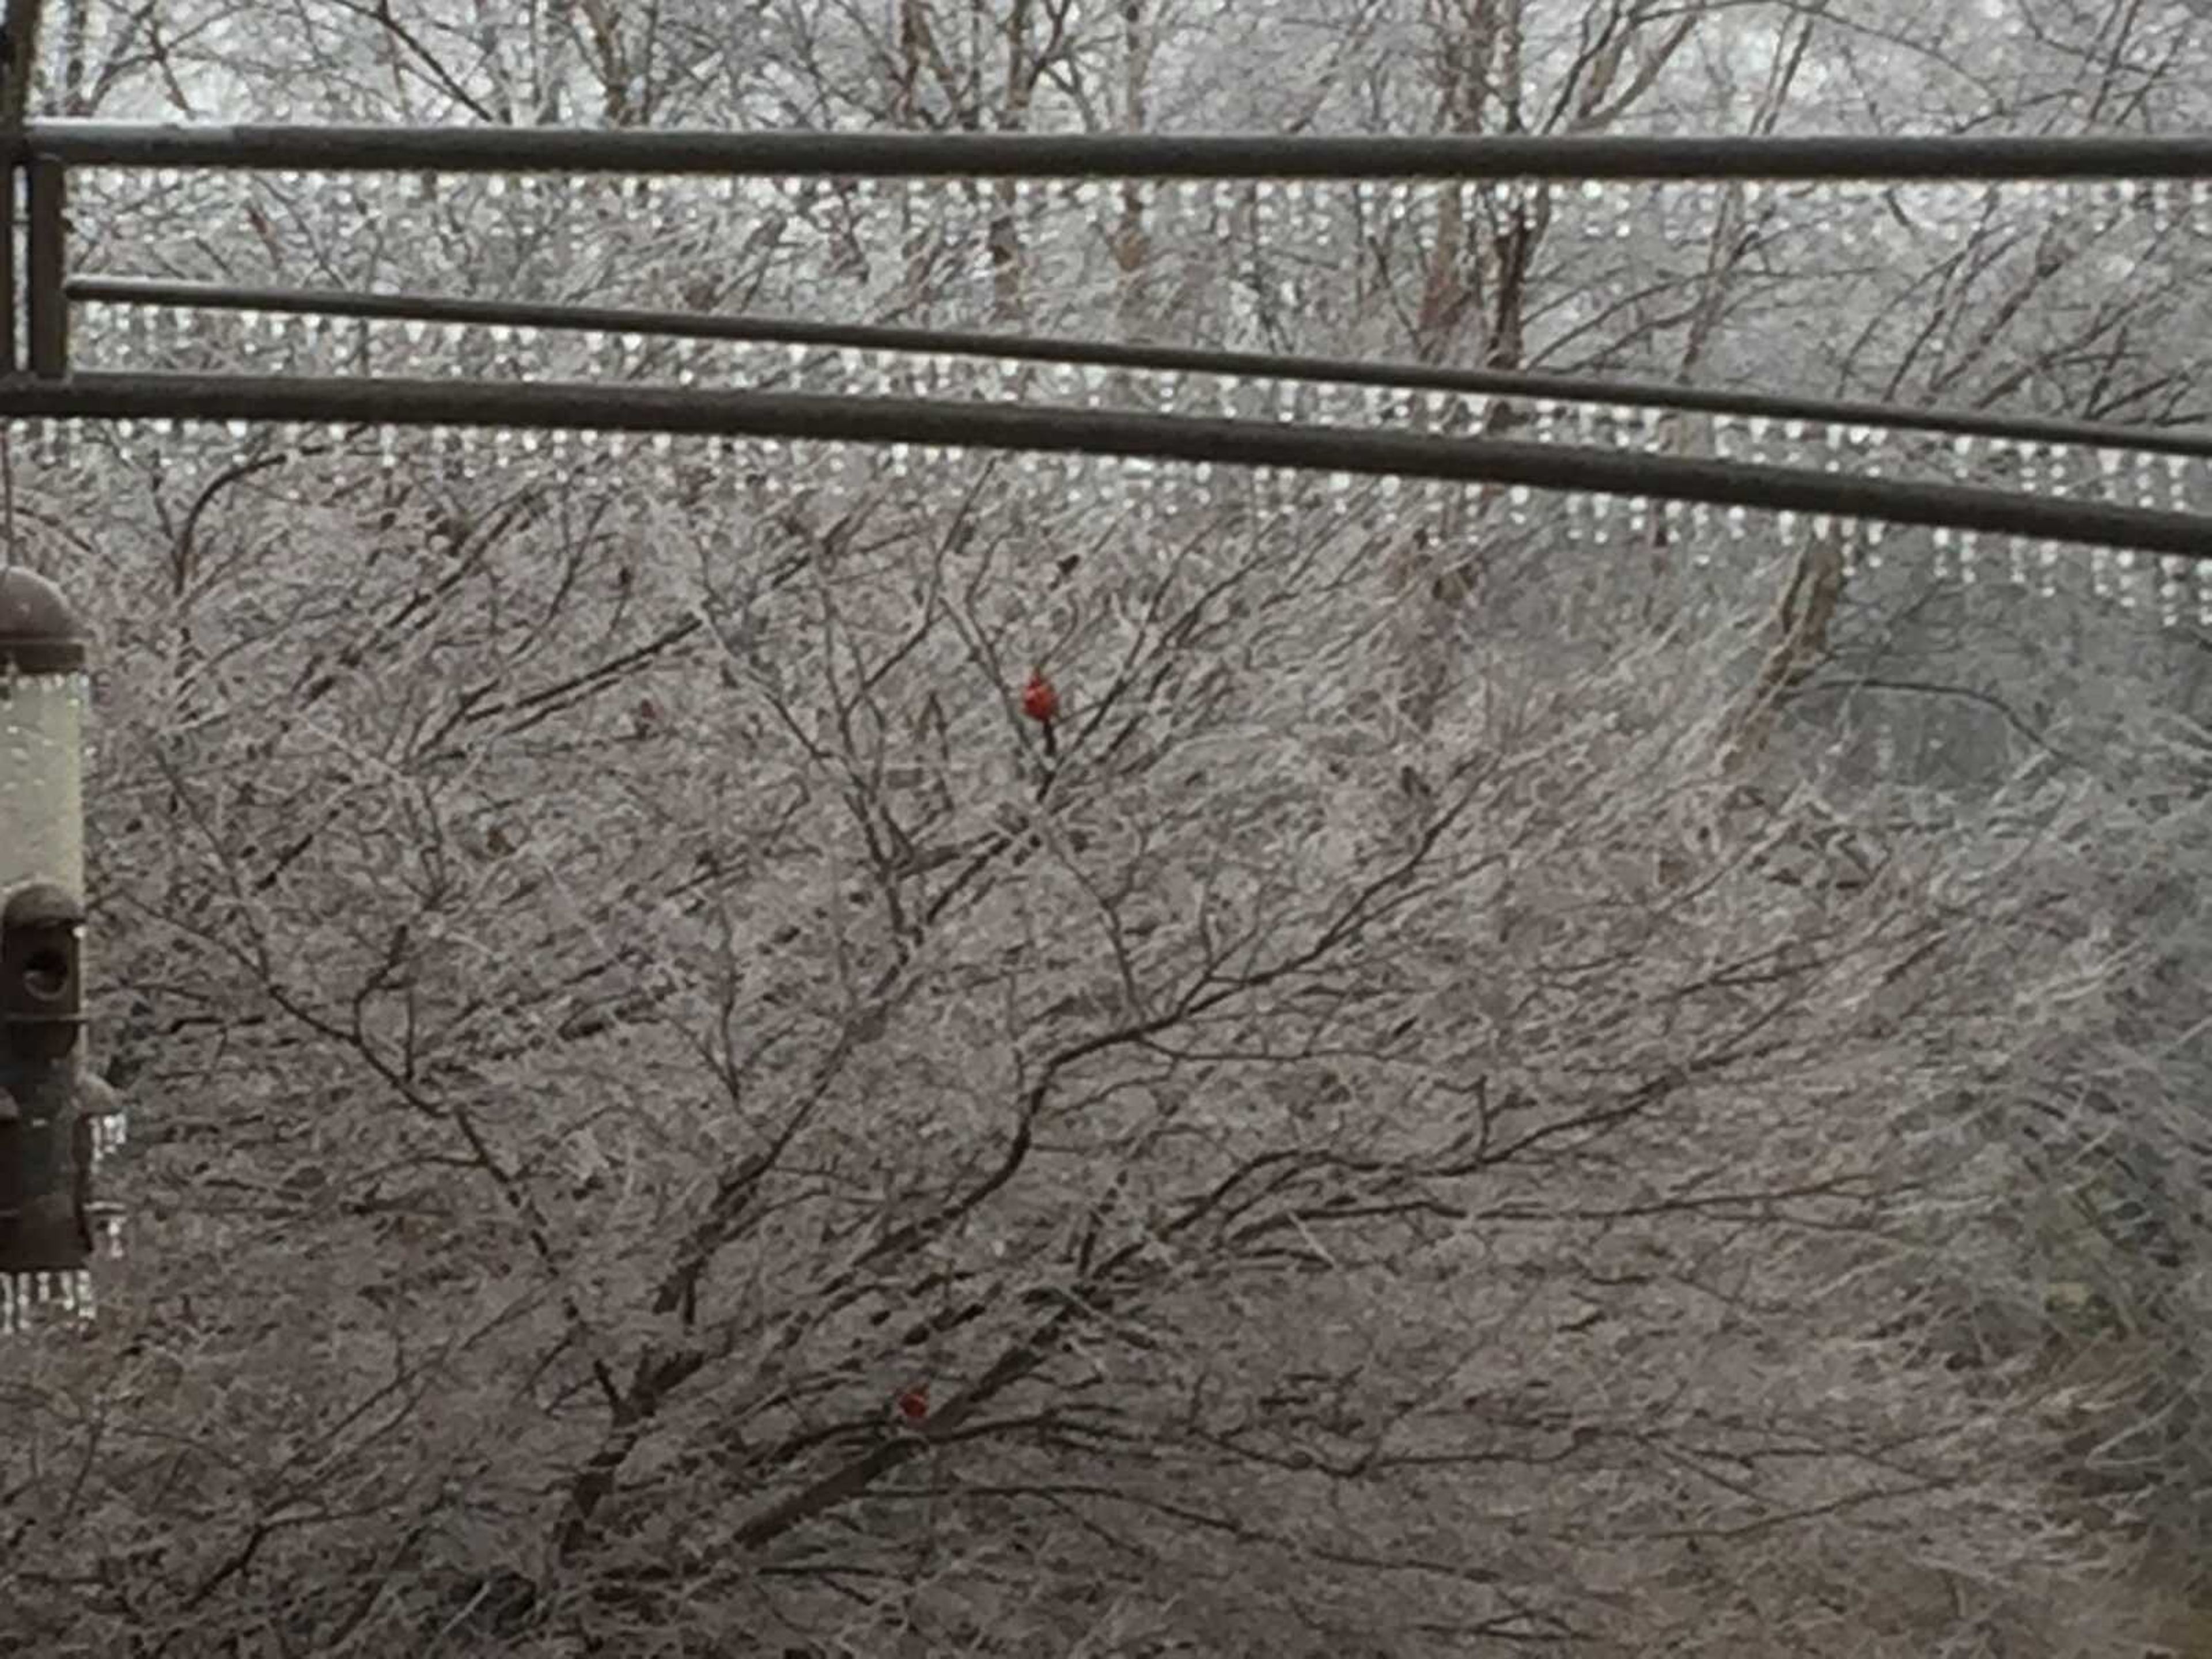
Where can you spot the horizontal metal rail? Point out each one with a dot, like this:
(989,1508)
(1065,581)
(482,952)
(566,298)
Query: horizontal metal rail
(565,407)
(1104,156)
(956,343)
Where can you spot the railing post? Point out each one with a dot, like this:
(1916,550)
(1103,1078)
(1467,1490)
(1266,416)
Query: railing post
(46,307)
(10,358)
(19,63)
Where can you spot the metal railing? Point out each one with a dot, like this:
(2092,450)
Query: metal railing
(39,379)
(675,154)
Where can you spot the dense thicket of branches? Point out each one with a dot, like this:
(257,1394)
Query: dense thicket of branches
(1513,1075)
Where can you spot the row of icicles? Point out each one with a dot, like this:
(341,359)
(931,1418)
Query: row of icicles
(31,1301)
(28,1301)
(135,338)
(1296,214)
(746,476)
(149,339)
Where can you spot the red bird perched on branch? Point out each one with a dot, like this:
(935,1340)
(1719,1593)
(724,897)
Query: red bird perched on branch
(1042,704)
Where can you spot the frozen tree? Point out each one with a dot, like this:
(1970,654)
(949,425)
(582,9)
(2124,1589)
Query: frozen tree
(1474,1072)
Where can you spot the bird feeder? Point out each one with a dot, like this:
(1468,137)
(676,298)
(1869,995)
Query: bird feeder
(52,1116)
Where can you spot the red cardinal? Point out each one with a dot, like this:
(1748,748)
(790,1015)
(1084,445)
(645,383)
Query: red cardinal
(913,1404)
(1042,704)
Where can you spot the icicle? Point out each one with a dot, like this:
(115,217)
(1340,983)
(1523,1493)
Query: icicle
(1593,204)
(1600,519)
(1225,197)
(114,335)
(1301,216)
(1876,533)
(1738,523)
(132,347)
(1849,536)
(1398,208)
(1140,488)
(1518,500)
(2172,590)
(1267,214)
(1430,508)
(1968,558)
(2169,209)
(2108,471)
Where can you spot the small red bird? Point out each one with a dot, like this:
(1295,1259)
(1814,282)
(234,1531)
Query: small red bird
(1040,702)
(913,1404)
